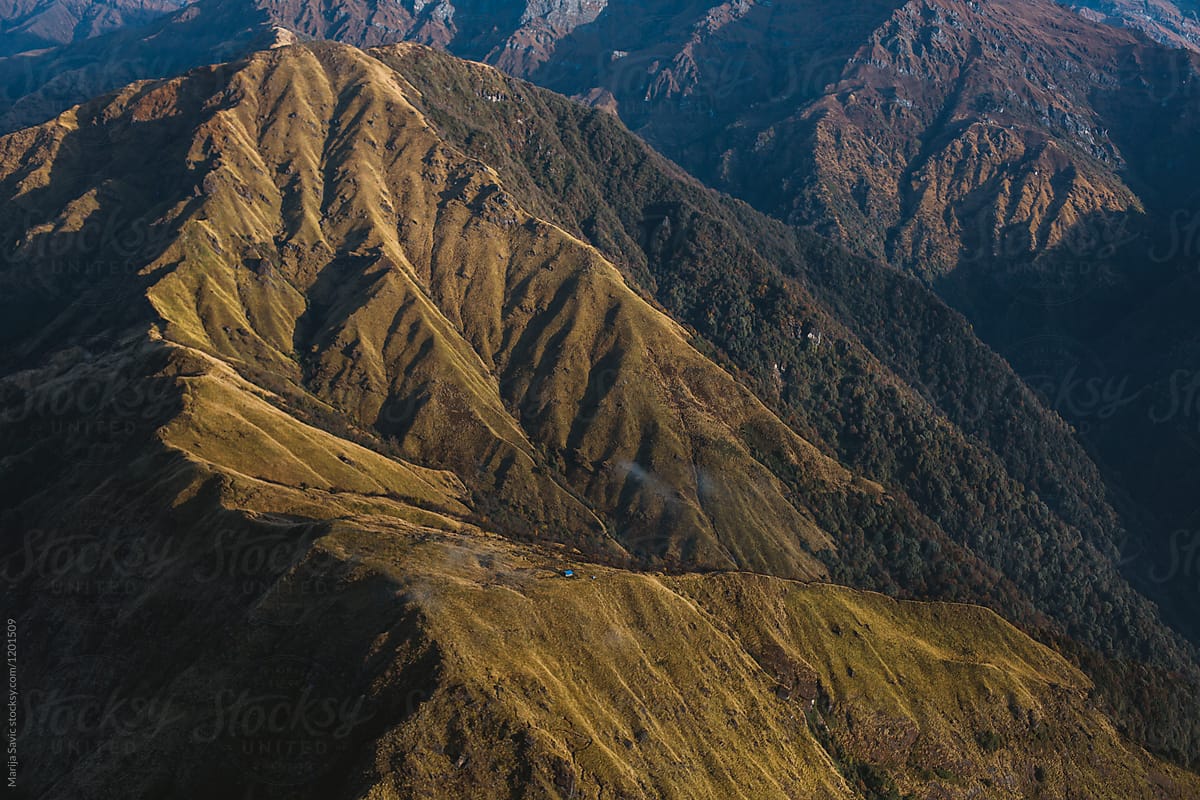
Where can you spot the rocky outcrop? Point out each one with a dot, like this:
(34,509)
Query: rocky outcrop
(1172,23)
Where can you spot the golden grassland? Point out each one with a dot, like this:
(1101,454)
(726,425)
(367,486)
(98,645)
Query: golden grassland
(362,341)
(730,685)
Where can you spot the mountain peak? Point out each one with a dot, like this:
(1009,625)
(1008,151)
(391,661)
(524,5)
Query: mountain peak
(448,399)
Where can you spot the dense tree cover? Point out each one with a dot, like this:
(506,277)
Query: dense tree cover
(994,499)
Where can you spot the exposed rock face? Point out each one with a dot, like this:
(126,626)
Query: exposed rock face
(943,136)
(1172,23)
(543,24)
(284,355)
(324,242)
(920,133)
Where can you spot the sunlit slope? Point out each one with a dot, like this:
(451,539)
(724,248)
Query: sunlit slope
(94,411)
(324,335)
(315,234)
(727,686)
(462,665)
(297,217)
(242,539)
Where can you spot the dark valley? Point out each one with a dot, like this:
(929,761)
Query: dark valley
(380,423)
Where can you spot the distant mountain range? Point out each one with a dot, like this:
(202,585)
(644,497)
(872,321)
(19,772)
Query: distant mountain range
(1026,163)
(905,308)
(327,319)
(30,25)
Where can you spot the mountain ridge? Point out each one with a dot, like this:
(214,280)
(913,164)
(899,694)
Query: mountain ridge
(261,204)
(417,630)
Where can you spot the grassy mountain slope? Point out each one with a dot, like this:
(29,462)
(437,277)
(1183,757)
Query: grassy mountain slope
(912,338)
(405,659)
(308,218)
(623,679)
(284,354)
(395,281)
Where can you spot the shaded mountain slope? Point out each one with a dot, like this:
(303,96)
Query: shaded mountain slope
(285,354)
(1171,23)
(307,218)
(917,132)
(401,652)
(394,280)
(421,662)
(954,135)
(38,85)
(38,24)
